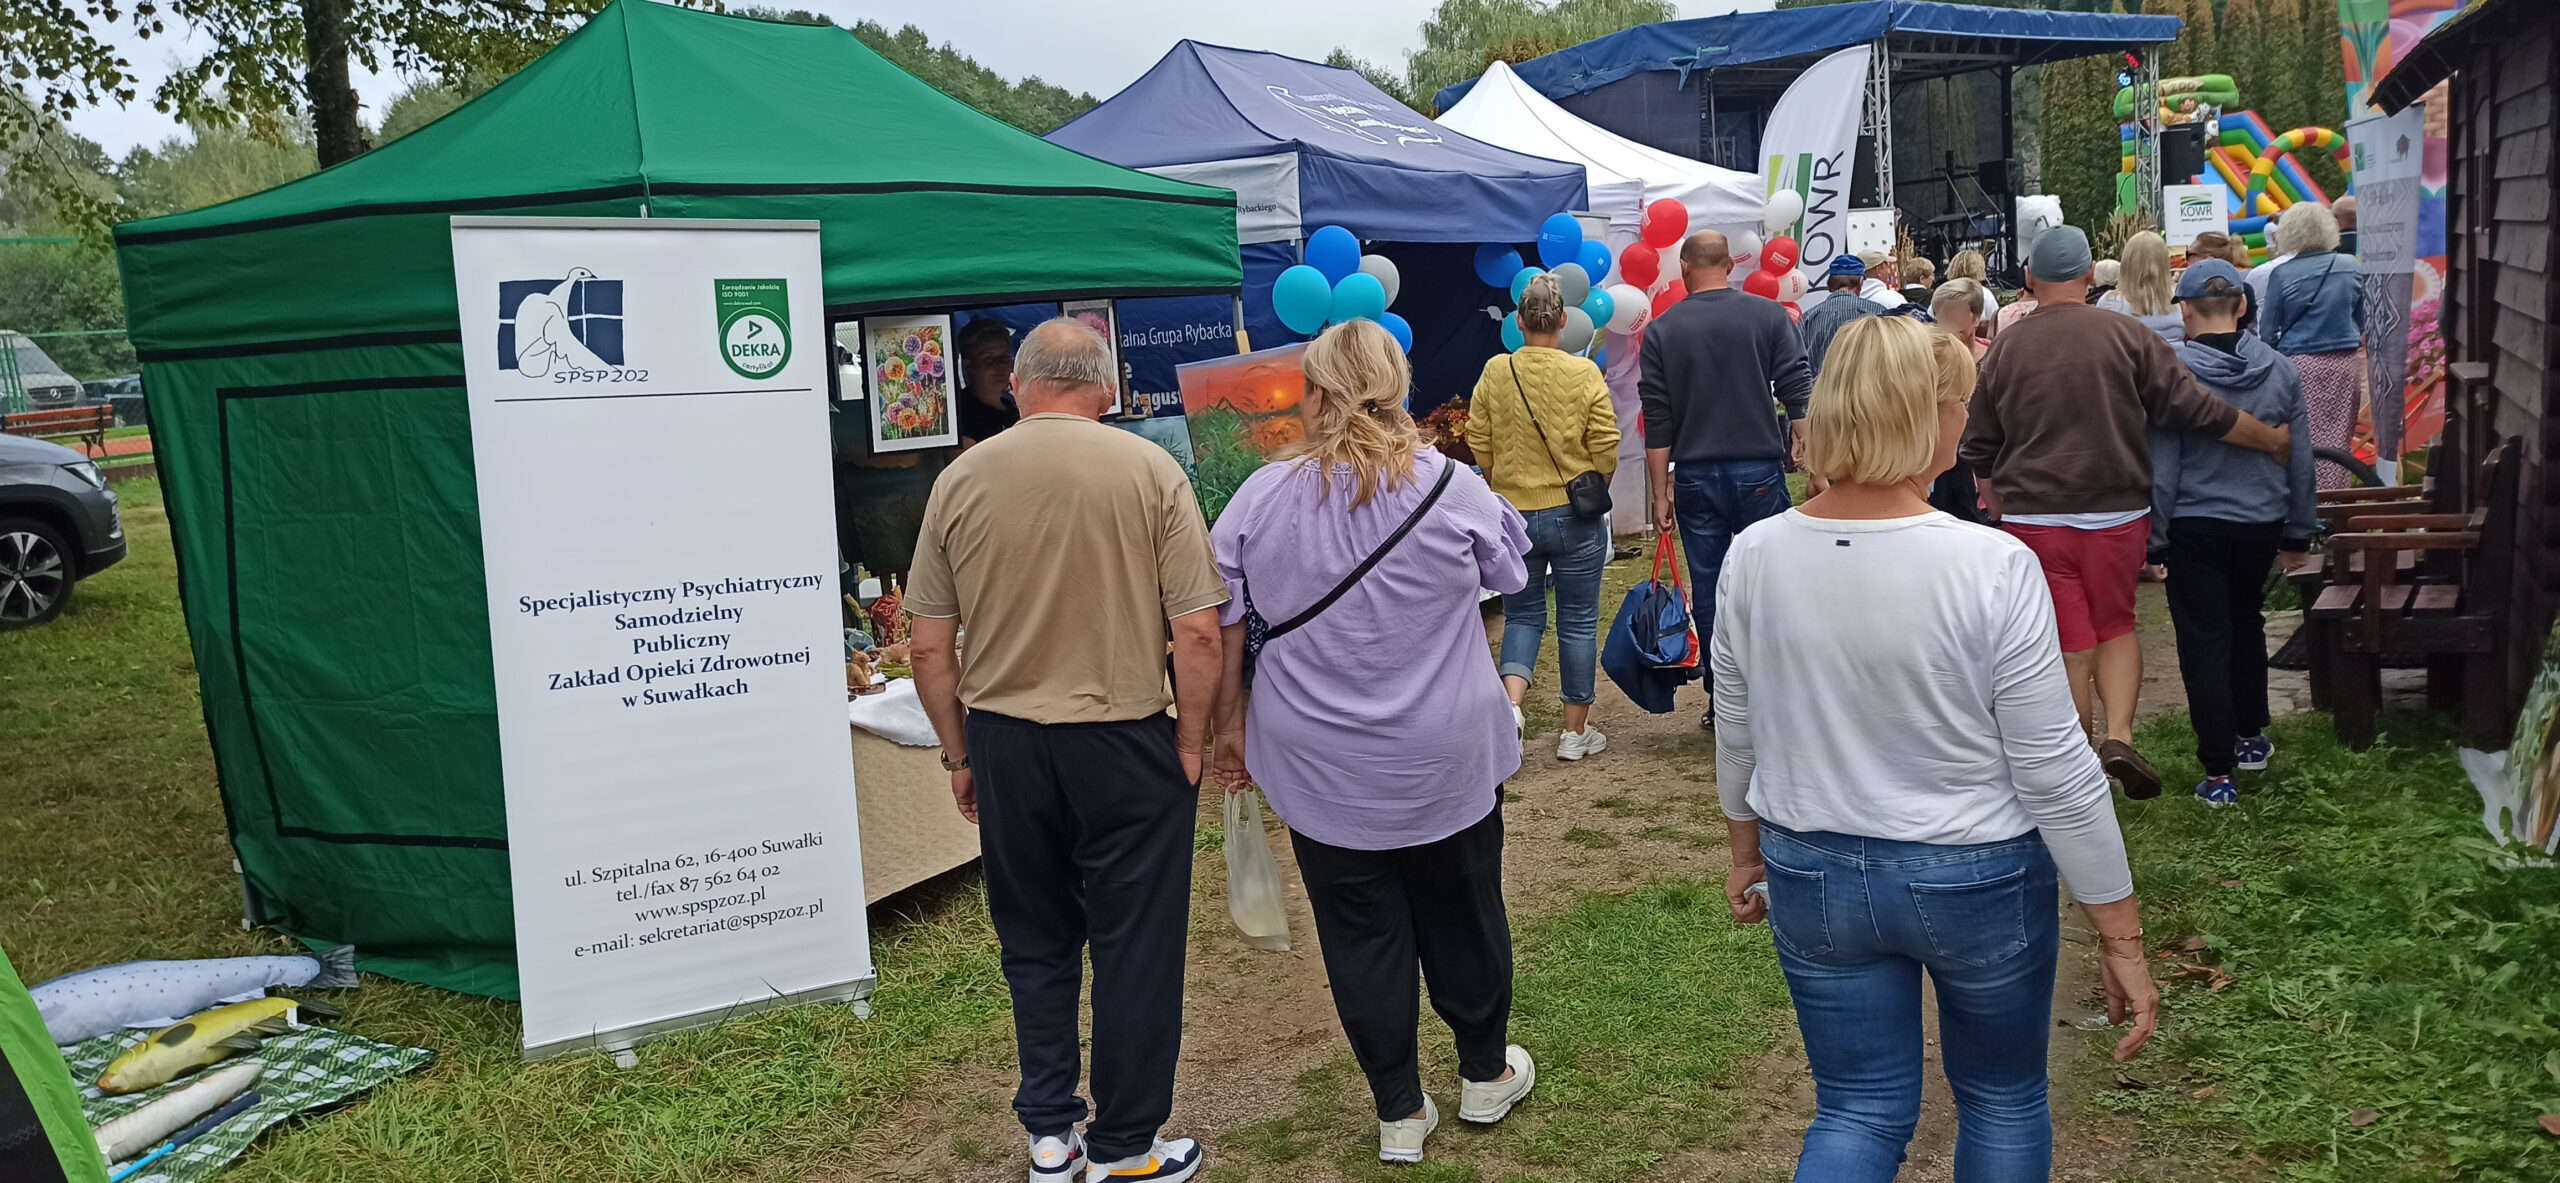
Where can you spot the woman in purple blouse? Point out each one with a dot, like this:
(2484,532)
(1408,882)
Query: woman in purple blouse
(1380,729)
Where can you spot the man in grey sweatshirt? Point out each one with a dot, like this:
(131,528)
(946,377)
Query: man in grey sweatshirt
(2220,516)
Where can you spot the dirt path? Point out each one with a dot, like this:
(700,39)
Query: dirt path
(1642,810)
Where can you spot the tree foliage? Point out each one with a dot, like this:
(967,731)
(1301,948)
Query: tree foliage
(1462,37)
(1031,104)
(51,289)
(2082,150)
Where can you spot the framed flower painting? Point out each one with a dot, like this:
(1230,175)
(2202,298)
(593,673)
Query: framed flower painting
(914,380)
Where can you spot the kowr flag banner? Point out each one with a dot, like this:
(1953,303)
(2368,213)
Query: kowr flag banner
(1811,142)
(649,427)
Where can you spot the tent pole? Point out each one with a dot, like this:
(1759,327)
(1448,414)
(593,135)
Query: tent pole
(1879,119)
(1241,345)
(2008,159)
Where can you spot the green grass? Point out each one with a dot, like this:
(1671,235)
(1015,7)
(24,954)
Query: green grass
(112,847)
(2384,957)
(1640,1008)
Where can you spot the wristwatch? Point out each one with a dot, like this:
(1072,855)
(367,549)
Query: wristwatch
(951,765)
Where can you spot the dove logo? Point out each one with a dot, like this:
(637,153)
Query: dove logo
(1352,117)
(553,327)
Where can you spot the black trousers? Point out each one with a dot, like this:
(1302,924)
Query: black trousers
(2217,603)
(1086,831)
(1379,913)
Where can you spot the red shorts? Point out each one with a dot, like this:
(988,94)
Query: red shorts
(2091,574)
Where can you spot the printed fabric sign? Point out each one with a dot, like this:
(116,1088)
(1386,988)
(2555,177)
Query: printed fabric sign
(664,628)
(1811,141)
(2191,210)
(2389,152)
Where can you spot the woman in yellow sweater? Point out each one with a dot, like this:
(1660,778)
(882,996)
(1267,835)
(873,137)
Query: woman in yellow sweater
(1540,417)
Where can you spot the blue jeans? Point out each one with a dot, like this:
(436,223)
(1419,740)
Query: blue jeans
(1576,548)
(1855,920)
(1714,500)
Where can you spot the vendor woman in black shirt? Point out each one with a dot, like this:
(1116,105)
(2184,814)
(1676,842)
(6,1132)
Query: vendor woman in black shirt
(986,374)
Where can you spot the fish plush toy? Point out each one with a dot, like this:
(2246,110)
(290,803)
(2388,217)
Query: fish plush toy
(93,1002)
(205,1039)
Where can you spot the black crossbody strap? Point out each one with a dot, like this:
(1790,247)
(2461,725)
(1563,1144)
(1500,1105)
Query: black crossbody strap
(1533,419)
(1343,588)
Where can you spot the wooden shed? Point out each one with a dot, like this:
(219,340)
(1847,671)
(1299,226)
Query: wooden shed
(2503,290)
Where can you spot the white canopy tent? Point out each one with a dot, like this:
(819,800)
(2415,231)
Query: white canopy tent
(1624,176)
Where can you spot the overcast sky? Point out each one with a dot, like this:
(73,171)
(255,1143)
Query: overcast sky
(1098,46)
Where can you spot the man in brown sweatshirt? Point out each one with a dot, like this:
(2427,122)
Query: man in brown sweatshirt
(2058,432)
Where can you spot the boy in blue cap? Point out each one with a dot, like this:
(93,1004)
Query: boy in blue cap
(1842,305)
(2220,517)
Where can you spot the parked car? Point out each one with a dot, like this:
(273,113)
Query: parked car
(124,394)
(46,384)
(58,525)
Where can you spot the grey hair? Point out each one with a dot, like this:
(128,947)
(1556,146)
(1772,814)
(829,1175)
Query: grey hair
(2306,226)
(1065,353)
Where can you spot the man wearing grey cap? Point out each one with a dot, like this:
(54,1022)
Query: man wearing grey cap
(2058,432)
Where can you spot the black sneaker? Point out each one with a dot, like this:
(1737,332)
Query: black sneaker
(2126,767)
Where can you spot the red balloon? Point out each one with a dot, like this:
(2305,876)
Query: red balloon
(1664,222)
(1794,313)
(1640,264)
(1780,254)
(1670,296)
(1761,284)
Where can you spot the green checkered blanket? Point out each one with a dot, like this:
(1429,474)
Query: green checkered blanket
(304,1070)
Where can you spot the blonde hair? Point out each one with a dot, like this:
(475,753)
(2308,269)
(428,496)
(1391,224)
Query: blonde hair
(1957,371)
(1957,293)
(2305,226)
(2104,273)
(2145,284)
(1874,416)
(1360,419)
(1968,264)
(1542,304)
(1920,271)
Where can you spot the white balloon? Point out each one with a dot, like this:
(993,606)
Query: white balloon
(1791,286)
(1630,306)
(1745,249)
(1578,329)
(1575,282)
(1785,206)
(1383,269)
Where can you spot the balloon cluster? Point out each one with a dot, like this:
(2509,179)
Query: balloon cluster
(1580,266)
(1774,273)
(1337,284)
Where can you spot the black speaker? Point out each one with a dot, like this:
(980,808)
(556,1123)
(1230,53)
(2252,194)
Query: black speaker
(1862,175)
(2181,153)
(1994,177)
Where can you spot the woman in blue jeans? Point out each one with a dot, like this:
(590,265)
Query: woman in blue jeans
(1540,417)
(1900,764)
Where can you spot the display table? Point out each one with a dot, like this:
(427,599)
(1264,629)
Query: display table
(911,831)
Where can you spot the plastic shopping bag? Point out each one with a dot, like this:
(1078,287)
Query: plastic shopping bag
(1253,876)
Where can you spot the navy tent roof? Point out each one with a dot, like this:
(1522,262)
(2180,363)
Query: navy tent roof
(1365,162)
(1928,40)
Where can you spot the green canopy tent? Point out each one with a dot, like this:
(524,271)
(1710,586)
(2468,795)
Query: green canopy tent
(303,355)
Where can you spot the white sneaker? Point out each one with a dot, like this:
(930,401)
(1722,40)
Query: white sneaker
(1169,1162)
(1519,722)
(1055,1159)
(1574,745)
(1401,1141)
(1485,1104)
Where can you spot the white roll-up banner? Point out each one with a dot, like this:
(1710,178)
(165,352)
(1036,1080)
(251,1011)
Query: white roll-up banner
(1810,145)
(649,429)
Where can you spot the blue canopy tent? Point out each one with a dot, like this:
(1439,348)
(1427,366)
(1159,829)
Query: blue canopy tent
(1306,145)
(1702,88)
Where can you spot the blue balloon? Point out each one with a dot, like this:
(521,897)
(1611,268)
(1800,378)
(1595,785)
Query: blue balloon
(1600,357)
(1520,281)
(1511,338)
(1302,299)
(1599,305)
(1333,251)
(1359,297)
(1559,240)
(1495,263)
(1595,259)
(1397,328)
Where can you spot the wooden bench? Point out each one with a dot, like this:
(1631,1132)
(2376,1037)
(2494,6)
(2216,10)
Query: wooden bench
(2427,584)
(87,424)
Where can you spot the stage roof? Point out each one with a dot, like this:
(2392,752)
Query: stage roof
(1748,51)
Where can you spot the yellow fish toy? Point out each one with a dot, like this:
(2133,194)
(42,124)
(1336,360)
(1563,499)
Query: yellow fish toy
(206,1038)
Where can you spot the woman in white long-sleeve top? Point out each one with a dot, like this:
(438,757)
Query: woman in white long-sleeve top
(1898,759)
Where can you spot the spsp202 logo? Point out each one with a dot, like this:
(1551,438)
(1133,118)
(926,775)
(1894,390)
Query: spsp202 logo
(755,325)
(566,329)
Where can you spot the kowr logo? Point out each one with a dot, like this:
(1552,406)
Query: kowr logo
(2195,206)
(547,326)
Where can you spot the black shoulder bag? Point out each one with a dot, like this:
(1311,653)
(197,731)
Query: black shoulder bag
(1259,632)
(1586,492)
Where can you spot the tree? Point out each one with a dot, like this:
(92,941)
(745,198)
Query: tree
(1462,37)
(214,165)
(2194,52)
(1032,105)
(2081,148)
(2244,50)
(1377,75)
